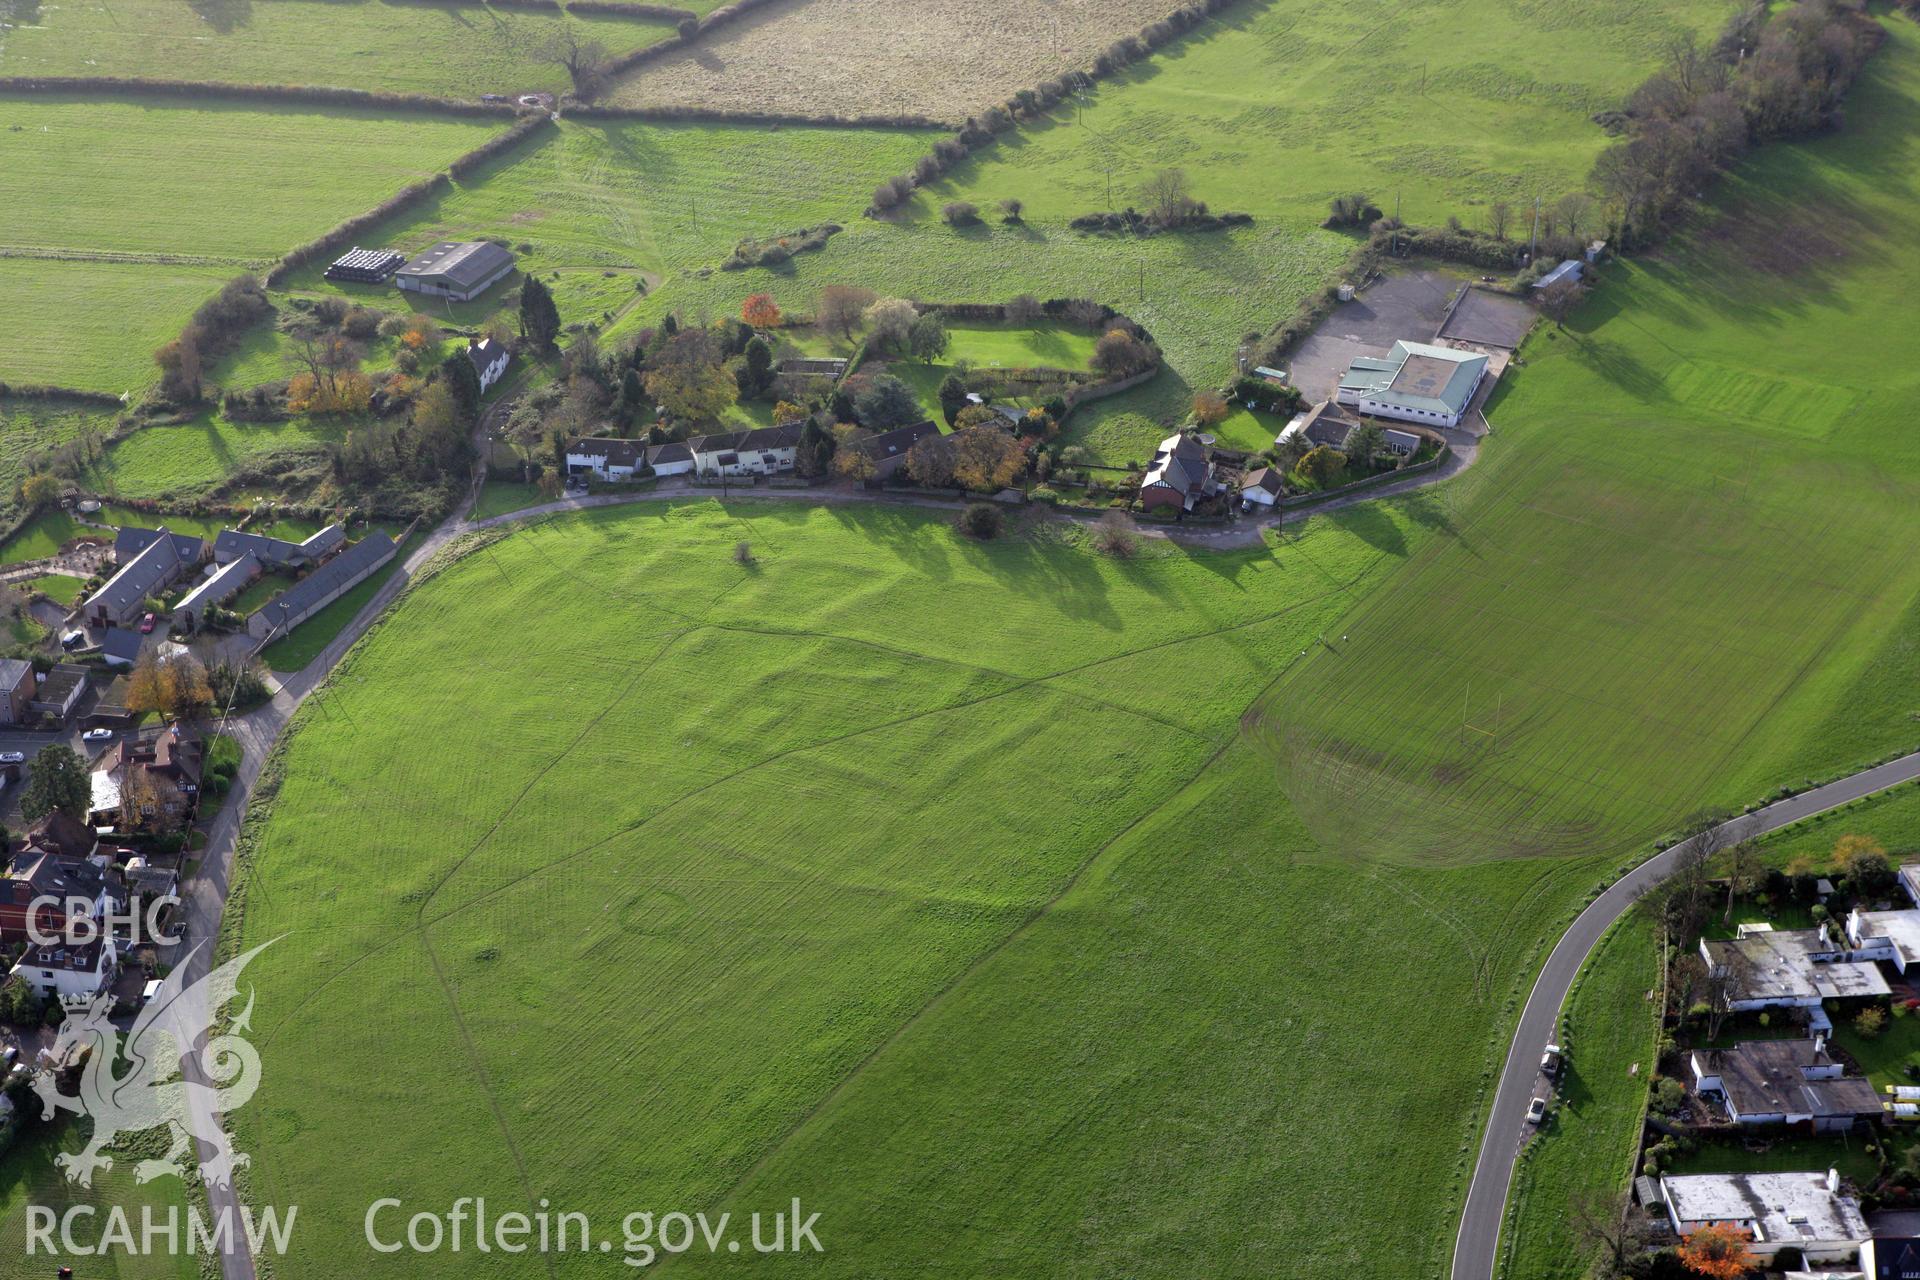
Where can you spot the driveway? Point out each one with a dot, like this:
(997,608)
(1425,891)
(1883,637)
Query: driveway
(1402,304)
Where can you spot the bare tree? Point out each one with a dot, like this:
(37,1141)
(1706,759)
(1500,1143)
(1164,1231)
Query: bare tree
(1606,1223)
(1499,218)
(585,60)
(1559,300)
(1743,867)
(1576,211)
(1167,199)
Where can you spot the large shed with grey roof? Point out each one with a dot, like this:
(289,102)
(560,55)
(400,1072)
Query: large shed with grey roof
(164,560)
(322,587)
(458,269)
(222,585)
(276,553)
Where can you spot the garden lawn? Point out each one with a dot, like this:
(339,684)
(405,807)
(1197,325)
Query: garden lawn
(1677,577)
(164,462)
(499,497)
(442,49)
(1587,1146)
(57,587)
(28,1177)
(1846,1152)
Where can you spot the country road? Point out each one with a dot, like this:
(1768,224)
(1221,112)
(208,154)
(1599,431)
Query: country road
(1477,1246)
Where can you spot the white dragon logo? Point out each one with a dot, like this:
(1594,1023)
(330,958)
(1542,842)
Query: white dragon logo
(172,1077)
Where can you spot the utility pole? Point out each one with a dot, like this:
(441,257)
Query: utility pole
(1533,254)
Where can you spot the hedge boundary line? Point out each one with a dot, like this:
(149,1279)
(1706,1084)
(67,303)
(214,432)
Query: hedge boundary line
(723,115)
(687,35)
(297,95)
(628,9)
(1032,104)
(41,391)
(344,232)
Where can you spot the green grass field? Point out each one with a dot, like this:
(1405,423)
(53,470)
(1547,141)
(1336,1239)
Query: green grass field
(28,1177)
(32,426)
(498,497)
(1588,1144)
(164,462)
(58,587)
(103,342)
(1647,602)
(444,49)
(1024,883)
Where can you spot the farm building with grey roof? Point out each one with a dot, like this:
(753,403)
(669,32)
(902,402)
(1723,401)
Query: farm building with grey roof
(458,269)
(280,615)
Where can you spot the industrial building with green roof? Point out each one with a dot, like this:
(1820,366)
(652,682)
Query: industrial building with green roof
(1415,382)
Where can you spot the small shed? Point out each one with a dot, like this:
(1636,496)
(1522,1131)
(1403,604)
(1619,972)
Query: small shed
(1569,271)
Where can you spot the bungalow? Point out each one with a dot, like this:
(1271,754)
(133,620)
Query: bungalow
(16,690)
(1787,969)
(1790,1082)
(1179,476)
(461,270)
(278,554)
(1803,1211)
(761,451)
(60,691)
(489,360)
(889,449)
(1324,424)
(69,972)
(1414,382)
(322,587)
(1885,935)
(674,458)
(222,585)
(149,571)
(608,459)
(1262,488)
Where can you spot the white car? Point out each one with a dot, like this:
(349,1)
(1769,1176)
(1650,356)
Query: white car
(13,757)
(96,735)
(1536,1111)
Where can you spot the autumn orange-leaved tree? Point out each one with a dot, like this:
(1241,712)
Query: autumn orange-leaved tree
(760,311)
(1848,850)
(1718,1251)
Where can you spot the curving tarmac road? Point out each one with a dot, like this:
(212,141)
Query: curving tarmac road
(1477,1245)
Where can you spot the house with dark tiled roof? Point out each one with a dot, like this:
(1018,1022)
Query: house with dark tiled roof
(1180,475)
(889,449)
(1262,487)
(278,554)
(218,587)
(759,452)
(606,458)
(489,360)
(129,542)
(673,458)
(153,568)
(1785,1082)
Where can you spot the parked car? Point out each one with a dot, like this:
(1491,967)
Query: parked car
(10,1056)
(146,625)
(96,735)
(13,757)
(1552,1062)
(1536,1111)
(73,640)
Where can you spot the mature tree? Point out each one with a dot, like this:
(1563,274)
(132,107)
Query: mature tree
(840,307)
(986,458)
(440,427)
(760,311)
(1209,408)
(585,61)
(1366,442)
(1559,300)
(539,318)
(1323,465)
(953,396)
(815,453)
(1024,309)
(693,392)
(756,370)
(930,462)
(148,688)
(1167,199)
(56,780)
(1011,209)
(928,338)
(853,464)
(887,403)
(980,520)
(1575,211)
(1743,872)
(1605,1223)
(1499,219)
(463,382)
(1718,1251)
(40,490)
(179,363)
(1114,535)
(1119,354)
(890,324)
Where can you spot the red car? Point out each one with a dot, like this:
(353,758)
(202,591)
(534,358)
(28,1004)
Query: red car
(146,625)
